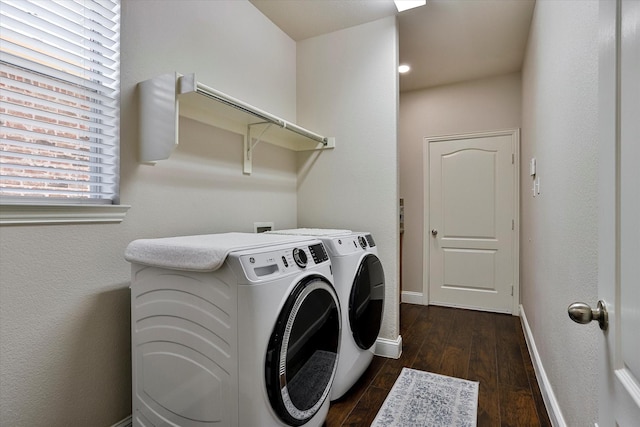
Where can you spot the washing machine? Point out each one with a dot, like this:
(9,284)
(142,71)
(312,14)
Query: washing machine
(234,329)
(359,282)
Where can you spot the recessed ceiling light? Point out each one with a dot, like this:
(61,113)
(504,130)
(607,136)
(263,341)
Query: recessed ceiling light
(408,4)
(403,68)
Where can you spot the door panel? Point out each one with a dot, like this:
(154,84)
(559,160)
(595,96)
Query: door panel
(472,193)
(470,269)
(629,192)
(468,194)
(619,223)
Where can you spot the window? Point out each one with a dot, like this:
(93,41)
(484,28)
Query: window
(59,101)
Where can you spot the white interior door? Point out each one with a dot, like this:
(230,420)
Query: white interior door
(619,235)
(472,221)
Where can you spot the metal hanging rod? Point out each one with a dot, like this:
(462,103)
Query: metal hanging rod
(250,109)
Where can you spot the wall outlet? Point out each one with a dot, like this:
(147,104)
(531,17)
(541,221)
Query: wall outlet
(261,227)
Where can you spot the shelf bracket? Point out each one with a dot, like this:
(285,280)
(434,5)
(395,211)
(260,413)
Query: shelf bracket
(249,145)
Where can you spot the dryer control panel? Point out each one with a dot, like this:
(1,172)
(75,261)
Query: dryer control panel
(348,245)
(370,240)
(343,246)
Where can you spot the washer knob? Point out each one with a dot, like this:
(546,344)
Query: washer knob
(363,242)
(300,257)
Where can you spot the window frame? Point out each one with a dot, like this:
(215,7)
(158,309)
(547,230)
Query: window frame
(43,210)
(17,214)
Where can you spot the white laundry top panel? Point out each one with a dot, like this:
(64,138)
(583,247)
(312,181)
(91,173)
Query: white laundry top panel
(201,252)
(316,232)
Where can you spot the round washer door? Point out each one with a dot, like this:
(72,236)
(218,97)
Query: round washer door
(302,354)
(366,302)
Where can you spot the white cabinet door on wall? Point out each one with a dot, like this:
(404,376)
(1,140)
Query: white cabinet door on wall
(470,231)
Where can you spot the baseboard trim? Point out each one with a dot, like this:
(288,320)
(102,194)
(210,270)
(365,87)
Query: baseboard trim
(411,297)
(127,422)
(389,348)
(550,401)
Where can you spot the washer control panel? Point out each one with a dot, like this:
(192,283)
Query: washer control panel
(300,257)
(318,253)
(262,265)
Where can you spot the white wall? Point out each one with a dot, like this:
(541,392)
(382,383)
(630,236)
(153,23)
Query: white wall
(474,106)
(232,47)
(64,298)
(559,227)
(348,87)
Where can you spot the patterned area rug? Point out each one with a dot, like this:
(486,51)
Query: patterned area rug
(421,398)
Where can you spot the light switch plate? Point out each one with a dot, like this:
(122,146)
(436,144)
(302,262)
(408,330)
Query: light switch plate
(532,167)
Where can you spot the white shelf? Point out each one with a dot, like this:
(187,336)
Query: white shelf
(164,98)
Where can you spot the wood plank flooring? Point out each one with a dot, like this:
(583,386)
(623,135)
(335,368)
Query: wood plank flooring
(478,346)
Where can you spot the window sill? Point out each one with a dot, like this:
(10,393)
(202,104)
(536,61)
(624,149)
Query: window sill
(61,214)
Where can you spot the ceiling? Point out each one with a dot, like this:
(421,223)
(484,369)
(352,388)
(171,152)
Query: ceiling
(444,42)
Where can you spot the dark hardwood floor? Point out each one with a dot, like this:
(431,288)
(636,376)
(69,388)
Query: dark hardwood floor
(478,346)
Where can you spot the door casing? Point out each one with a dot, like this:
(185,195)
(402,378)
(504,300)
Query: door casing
(426,239)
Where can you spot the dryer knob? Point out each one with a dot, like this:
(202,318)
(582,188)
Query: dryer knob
(300,257)
(362,241)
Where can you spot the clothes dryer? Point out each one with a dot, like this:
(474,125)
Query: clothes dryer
(232,330)
(360,284)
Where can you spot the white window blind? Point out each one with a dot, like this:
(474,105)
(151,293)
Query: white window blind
(59,101)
